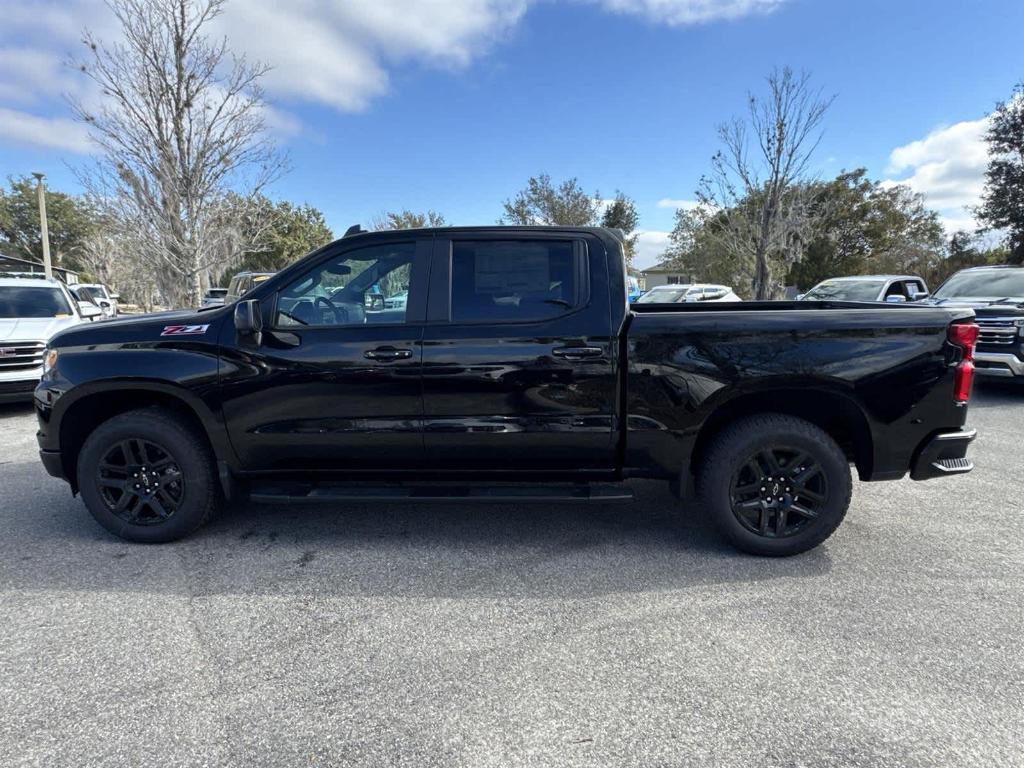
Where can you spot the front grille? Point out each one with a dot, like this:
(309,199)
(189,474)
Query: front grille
(997,330)
(21,355)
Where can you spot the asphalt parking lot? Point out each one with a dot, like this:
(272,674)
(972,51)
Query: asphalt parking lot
(501,636)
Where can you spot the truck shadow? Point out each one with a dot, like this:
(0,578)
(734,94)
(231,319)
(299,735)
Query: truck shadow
(430,550)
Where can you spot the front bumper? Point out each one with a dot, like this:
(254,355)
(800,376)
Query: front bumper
(52,463)
(1001,364)
(17,390)
(943,455)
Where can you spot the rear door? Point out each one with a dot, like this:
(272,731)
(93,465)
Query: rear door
(518,358)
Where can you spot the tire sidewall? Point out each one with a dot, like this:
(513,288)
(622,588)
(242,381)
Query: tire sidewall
(728,459)
(180,444)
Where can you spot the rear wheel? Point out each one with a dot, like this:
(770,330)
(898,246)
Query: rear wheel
(775,485)
(146,476)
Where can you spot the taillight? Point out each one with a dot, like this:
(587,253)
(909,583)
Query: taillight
(965,336)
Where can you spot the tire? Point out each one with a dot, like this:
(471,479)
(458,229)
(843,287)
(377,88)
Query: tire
(805,499)
(110,468)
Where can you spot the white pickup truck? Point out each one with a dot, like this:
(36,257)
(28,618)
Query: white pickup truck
(32,310)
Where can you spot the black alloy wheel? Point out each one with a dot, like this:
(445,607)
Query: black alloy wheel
(140,482)
(778,491)
(774,484)
(149,475)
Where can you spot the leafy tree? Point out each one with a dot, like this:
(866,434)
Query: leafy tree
(70,220)
(865,227)
(541,202)
(407,220)
(1003,199)
(621,213)
(757,190)
(697,250)
(283,233)
(968,249)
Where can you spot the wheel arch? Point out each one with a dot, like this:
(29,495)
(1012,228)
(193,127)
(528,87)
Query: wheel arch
(100,403)
(837,414)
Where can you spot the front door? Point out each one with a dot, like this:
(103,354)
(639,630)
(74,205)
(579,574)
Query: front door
(334,384)
(518,360)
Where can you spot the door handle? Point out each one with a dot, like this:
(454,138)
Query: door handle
(577,353)
(387,354)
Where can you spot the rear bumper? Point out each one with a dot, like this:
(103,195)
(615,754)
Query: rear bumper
(943,455)
(1001,364)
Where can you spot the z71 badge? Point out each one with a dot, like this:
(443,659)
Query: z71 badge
(184,330)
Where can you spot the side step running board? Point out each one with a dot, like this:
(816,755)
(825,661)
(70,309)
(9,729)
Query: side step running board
(270,491)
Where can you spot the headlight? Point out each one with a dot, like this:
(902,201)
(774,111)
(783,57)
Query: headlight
(1020,326)
(49,360)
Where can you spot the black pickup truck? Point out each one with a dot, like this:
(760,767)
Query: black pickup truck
(501,364)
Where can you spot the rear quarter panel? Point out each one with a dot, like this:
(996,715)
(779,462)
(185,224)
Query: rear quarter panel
(893,363)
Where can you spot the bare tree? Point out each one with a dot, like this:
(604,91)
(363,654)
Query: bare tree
(181,133)
(757,191)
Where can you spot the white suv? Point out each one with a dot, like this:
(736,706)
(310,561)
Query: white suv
(688,292)
(99,295)
(32,310)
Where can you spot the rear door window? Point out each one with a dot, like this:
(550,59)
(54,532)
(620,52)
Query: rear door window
(515,280)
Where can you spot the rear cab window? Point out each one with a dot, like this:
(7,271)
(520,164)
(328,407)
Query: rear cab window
(516,280)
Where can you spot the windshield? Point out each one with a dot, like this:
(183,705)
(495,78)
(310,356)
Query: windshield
(664,295)
(845,290)
(88,294)
(991,284)
(18,301)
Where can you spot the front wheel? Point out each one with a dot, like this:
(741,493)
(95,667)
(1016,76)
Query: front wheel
(775,485)
(147,476)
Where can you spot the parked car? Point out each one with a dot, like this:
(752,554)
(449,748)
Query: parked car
(633,291)
(996,294)
(397,301)
(85,295)
(673,294)
(515,372)
(101,296)
(214,297)
(891,288)
(32,310)
(244,282)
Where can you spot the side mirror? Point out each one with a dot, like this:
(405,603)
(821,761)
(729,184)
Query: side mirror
(895,299)
(89,311)
(919,295)
(249,319)
(115,297)
(800,296)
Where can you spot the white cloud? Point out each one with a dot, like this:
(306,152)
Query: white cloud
(333,52)
(676,203)
(51,132)
(650,247)
(947,167)
(683,12)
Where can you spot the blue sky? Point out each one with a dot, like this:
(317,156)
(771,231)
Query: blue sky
(384,105)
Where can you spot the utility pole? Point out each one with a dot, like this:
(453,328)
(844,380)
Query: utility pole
(41,191)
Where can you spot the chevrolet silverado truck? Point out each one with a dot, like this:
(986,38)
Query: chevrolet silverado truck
(513,370)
